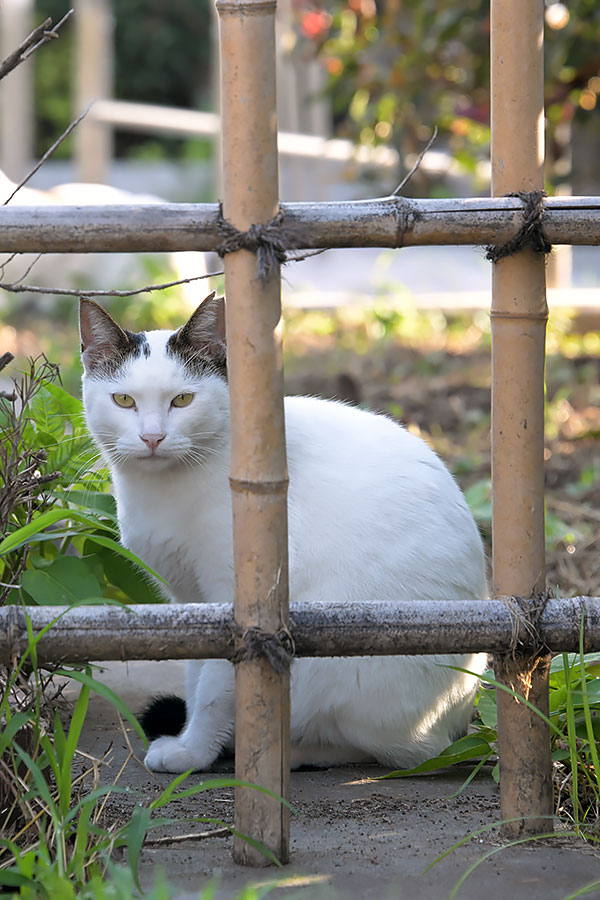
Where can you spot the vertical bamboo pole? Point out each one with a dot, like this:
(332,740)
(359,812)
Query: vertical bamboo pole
(519,314)
(258,460)
(16,96)
(93,81)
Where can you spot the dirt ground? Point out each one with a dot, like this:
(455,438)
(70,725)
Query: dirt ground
(352,836)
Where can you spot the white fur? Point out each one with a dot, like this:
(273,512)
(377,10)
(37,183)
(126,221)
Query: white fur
(373,515)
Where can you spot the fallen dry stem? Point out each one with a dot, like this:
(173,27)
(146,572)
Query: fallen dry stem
(185,838)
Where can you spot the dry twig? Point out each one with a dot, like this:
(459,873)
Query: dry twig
(418,162)
(66,292)
(40,35)
(49,152)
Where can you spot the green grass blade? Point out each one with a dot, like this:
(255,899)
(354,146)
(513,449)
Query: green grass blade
(476,769)
(589,727)
(104,691)
(220,783)
(95,795)
(15,723)
(586,889)
(490,853)
(166,795)
(483,830)
(571,738)
(136,834)
(70,746)
(40,782)
(11,878)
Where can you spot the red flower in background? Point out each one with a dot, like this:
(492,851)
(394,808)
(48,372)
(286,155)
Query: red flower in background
(315,24)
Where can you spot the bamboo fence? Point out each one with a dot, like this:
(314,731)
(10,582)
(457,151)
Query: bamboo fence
(520,633)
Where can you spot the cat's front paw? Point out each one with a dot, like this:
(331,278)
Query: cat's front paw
(171,754)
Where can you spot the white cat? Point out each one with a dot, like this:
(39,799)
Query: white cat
(373,515)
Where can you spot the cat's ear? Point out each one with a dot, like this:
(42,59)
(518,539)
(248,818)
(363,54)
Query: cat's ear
(101,338)
(204,332)
(206,325)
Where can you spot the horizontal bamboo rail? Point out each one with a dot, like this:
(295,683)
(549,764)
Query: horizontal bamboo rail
(175,121)
(206,630)
(386,222)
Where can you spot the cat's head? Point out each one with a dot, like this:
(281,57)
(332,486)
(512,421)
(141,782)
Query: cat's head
(158,398)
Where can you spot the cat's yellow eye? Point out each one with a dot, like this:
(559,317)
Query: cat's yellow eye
(124,401)
(182,400)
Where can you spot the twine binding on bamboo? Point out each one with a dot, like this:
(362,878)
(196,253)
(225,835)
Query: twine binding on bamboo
(531,233)
(253,643)
(525,615)
(270,242)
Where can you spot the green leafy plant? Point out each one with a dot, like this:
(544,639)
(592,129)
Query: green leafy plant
(54,841)
(61,542)
(574,721)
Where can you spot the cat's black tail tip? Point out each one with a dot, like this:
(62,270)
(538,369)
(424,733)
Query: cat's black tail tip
(163,715)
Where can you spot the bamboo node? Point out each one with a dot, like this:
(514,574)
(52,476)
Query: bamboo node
(270,241)
(254,643)
(242,486)
(530,234)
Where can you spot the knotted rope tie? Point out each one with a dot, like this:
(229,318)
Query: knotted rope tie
(254,643)
(270,242)
(531,233)
(525,613)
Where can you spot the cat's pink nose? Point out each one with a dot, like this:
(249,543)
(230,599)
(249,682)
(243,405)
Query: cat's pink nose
(152,440)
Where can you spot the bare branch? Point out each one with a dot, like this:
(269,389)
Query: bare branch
(5,359)
(48,35)
(49,152)
(40,35)
(417,163)
(29,268)
(66,292)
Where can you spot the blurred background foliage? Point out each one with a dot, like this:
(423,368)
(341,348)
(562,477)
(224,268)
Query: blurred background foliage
(394,70)
(162,55)
(397,68)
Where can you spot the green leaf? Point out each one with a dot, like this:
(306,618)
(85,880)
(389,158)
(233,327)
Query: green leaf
(65,581)
(486,708)
(96,501)
(125,575)
(16,722)
(45,520)
(47,415)
(127,554)
(472,746)
(65,401)
(13,878)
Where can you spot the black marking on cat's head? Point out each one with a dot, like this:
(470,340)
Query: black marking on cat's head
(164,714)
(200,344)
(105,346)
